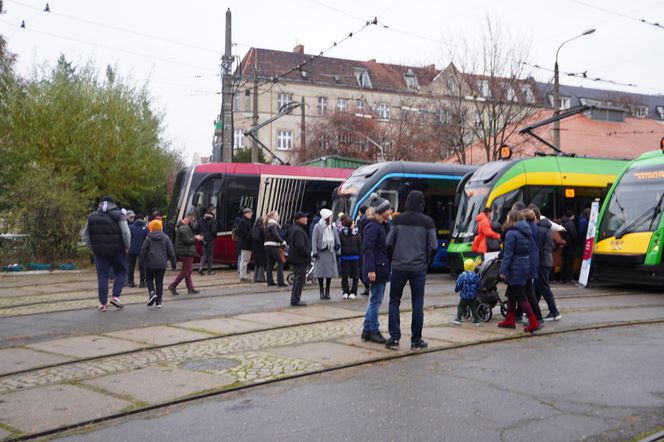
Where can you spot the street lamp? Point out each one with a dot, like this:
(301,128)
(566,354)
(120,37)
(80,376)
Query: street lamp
(556,91)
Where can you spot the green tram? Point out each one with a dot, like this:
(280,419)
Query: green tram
(628,243)
(555,183)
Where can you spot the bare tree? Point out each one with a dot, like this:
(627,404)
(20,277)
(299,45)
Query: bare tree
(486,93)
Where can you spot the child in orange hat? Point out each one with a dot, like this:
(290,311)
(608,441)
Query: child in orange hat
(157,249)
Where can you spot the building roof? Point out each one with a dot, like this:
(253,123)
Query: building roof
(583,136)
(333,71)
(579,94)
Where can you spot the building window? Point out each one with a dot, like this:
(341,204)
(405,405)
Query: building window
(660,111)
(283,100)
(510,95)
(444,116)
(238,138)
(483,88)
(640,111)
(451,85)
(478,119)
(322,105)
(362,77)
(411,80)
(284,140)
(565,102)
(359,106)
(528,93)
(383,111)
(236,102)
(341,105)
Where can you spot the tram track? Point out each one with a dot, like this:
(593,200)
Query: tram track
(217,393)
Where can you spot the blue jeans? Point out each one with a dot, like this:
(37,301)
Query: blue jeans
(104,264)
(371,323)
(398,281)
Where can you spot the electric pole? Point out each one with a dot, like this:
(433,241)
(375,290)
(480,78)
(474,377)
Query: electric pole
(254,117)
(303,131)
(225,154)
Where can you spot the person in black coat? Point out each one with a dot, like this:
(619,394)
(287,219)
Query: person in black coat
(257,240)
(299,255)
(569,250)
(349,259)
(244,241)
(545,247)
(207,228)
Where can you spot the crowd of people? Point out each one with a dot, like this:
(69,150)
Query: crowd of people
(372,250)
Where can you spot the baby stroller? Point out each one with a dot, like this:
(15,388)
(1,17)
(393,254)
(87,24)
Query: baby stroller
(308,279)
(489,273)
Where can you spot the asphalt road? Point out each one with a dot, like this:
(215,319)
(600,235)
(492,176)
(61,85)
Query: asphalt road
(596,385)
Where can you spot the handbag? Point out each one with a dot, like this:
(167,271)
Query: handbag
(492,245)
(283,255)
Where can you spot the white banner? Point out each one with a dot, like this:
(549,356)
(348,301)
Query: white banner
(589,245)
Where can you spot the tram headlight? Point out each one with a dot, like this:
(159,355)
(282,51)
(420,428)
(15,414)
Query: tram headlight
(656,246)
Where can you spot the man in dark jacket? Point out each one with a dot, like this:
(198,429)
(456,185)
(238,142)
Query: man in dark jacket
(361,224)
(244,241)
(545,247)
(569,250)
(412,244)
(299,254)
(185,249)
(376,265)
(139,231)
(207,228)
(107,234)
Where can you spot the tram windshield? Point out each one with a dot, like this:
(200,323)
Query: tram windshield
(472,202)
(346,195)
(636,204)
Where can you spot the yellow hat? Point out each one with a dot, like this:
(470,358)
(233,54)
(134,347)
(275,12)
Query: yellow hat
(154,225)
(469,265)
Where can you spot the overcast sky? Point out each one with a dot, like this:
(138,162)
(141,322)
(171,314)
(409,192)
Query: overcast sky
(177,44)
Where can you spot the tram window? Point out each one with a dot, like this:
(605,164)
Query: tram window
(207,194)
(543,198)
(391,190)
(502,205)
(241,192)
(318,195)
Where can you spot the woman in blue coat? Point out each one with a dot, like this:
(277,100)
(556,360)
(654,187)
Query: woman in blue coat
(517,268)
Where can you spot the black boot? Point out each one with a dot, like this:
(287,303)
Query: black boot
(327,292)
(322,293)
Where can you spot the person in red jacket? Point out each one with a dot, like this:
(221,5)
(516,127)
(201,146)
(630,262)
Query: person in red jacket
(484,231)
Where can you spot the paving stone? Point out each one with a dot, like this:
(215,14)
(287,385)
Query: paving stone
(158,335)
(17,359)
(403,347)
(158,384)
(326,312)
(50,407)
(86,346)
(329,353)
(223,326)
(277,318)
(458,334)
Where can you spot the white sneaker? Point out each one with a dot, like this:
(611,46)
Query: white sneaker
(352,296)
(344,296)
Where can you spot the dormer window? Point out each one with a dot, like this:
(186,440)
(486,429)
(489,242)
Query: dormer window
(451,85)
(510,95)
(363,79)
(483,88)
(411,80)
(640,111)
(528,92)
(660,111)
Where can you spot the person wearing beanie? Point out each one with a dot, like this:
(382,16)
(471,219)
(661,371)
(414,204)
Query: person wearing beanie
(156,250)
(376,265)
(107,234)
(468,284)
(244,242)
(325,245)
(139,231)
(411,245)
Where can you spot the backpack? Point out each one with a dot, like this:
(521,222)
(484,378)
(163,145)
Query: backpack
(235,233)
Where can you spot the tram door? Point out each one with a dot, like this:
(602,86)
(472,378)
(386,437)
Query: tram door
(240,191)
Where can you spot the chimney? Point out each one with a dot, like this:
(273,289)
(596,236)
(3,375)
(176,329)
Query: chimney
(299,49)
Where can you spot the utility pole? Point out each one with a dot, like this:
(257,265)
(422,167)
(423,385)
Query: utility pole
(254,117)
(226,116)
(303,131)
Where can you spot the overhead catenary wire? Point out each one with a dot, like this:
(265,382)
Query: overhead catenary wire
(116,28)
(139,54)
(619,14)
